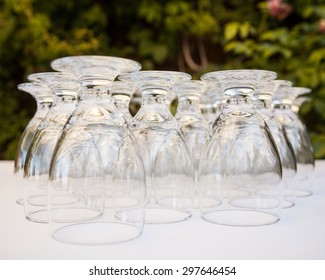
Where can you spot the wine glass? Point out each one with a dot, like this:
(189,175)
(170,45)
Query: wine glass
(96,163)
(37,165)
(263,104)
(240,164)
(193,125)
(295,107)
(44,99)
(297,134)
(167,160)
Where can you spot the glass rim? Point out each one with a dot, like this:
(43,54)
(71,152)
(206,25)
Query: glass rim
(35,89)
(153,74)
(299,90)
(56,80)
(189,88)
(155,79)
(282,82)
(52,74)
(291,92)
(268,74)
(62,63)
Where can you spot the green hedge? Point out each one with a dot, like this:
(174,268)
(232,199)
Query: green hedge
(192,36)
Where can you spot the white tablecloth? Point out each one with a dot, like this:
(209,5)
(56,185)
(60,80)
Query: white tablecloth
(300,234)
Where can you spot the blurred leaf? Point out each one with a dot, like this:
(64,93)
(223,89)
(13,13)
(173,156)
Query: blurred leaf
(319,145)
(151,11)
(269,50)
(160,52)
(279,35)
(95,16)
(245,29)
(308,76)
(319,107)
(231,46)
(317,56)
(39,24)
(308,11)
(231,30)
(306,108)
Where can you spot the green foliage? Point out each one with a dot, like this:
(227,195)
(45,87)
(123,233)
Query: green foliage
(186,35)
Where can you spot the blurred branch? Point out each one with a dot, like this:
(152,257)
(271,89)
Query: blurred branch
(186,48)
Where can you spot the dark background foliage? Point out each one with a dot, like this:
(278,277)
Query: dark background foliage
(192,36)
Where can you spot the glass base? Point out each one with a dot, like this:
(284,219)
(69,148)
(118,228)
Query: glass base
(288,200)
(256,203)
(287,204)
(63,199)
(38,216)
(303,193)
(74,214)
(20,201)
(96,233)
(35,208)
(37,200)
(244,218)
(166,215)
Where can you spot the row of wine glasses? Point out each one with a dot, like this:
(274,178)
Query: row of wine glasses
(235,149)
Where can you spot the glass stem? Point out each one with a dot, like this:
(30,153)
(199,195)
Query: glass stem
(189,105)
(122,104)
(154,108)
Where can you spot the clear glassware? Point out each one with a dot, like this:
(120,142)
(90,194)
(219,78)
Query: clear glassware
(297,103)
(122,93)
(193,125)
(44,99)
(212,103)
(263,104)
(96,163)
(136,99)
(297,134)
(38,159)
(295,107)
(240,170)
(167,160)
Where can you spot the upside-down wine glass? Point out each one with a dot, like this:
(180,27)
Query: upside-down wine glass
(263,104)
(167,160)
(96,163)
(297,103)
(191,121)
(297,134)
(295,107)
(240,164)
(38,159)
(44,99)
